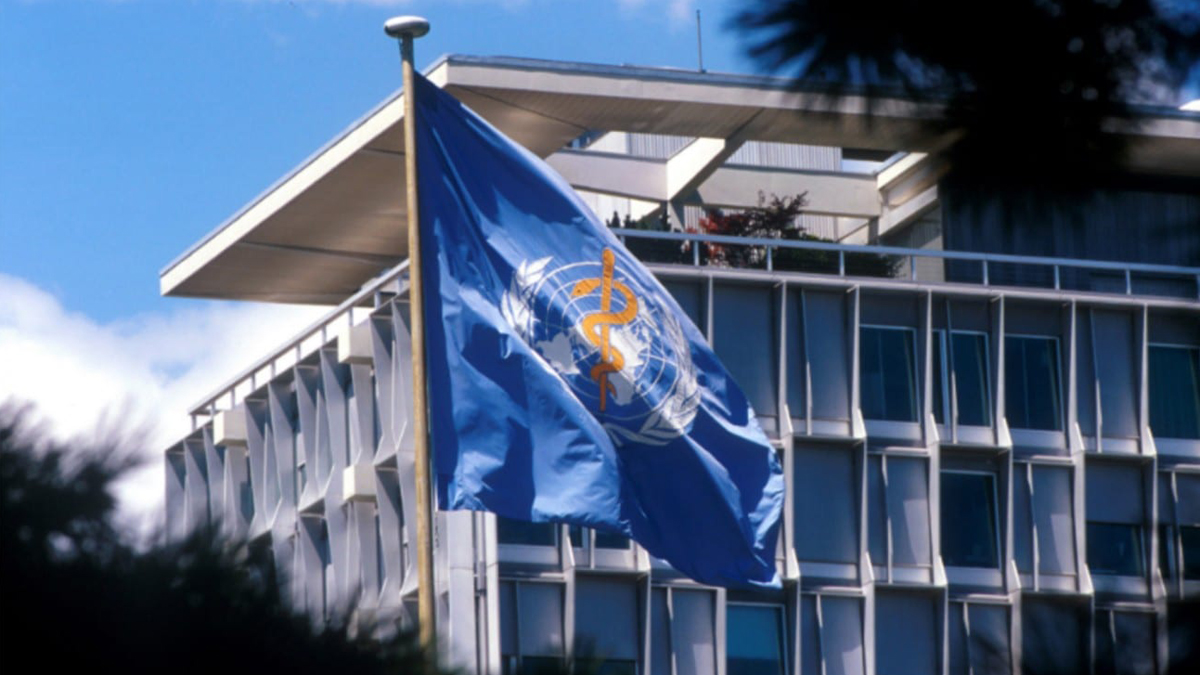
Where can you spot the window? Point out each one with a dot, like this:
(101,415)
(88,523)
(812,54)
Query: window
(1053,636)
(606,626)
(1031,378)
(968,363)
(898,505)
(525,533)
(683,627)
(1189,542)
(826,504)
(970,536)
(1174,391)
(690,297)
(1048,510)
(604,539)
(531,627)
(1179,525)
(1166,549)
(744,337)
(754,640)
(1112,361)
(888,374)
(1125,642)
(826,339)
(836,640)
(979,639)
(1114,520)
(1115,548)
(905,629)
(611,540)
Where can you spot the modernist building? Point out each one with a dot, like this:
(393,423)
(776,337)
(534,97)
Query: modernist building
(993,458)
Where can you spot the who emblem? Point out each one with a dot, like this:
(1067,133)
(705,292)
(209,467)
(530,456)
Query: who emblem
(616,346)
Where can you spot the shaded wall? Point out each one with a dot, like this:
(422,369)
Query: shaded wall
(1135,220)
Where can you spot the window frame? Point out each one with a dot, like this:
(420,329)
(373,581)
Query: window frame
(1025,472)
(674,641)
(1173,564)
(942,339)
(823,626)
(847,570)
(782,635)
(588,553)
(982,575)
(962,615)
(518,659)
(1140,537)
(938,625)
(537,554)
(917,399)
(888,570)
(1120,582)
(1170,442)
(1061,411)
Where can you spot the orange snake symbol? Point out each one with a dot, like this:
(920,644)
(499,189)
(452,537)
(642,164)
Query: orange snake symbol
(595,325)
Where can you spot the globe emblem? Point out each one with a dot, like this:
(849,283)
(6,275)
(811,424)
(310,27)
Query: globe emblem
(619,349)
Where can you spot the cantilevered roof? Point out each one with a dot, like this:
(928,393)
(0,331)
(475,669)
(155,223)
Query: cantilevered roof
(338,219)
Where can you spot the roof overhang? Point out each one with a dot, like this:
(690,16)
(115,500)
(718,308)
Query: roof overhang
(338,220)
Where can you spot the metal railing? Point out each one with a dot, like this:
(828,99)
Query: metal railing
(987,269)
(845,260)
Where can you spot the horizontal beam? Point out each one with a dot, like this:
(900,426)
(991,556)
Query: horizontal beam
(612,174)
(828,193)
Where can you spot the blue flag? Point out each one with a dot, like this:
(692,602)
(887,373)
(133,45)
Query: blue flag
(565,383)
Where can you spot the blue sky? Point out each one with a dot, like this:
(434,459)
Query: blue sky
(129,129)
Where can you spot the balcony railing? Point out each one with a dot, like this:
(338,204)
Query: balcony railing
(922,265)
(391,283)
(775,255)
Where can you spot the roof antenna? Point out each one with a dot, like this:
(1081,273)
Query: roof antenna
(699,44)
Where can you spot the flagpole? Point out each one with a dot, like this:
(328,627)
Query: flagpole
(407,29)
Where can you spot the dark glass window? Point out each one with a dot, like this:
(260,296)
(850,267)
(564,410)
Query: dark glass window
(610,667)
(969,531)
(1174,392)
(754,639)
(1189,538)
(906,634)
(532,665)
(611,540)
(1165,563)
(1031,379)
(971,378)
(971,383)
(1054,635)
(1115,548)
(888,374)
(509,531)
(941,379)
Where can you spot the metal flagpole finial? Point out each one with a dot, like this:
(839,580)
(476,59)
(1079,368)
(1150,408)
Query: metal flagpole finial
(406,26)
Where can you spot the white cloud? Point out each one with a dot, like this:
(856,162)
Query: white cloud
(138,375)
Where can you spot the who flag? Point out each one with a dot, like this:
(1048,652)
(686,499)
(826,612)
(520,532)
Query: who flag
(565,383)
